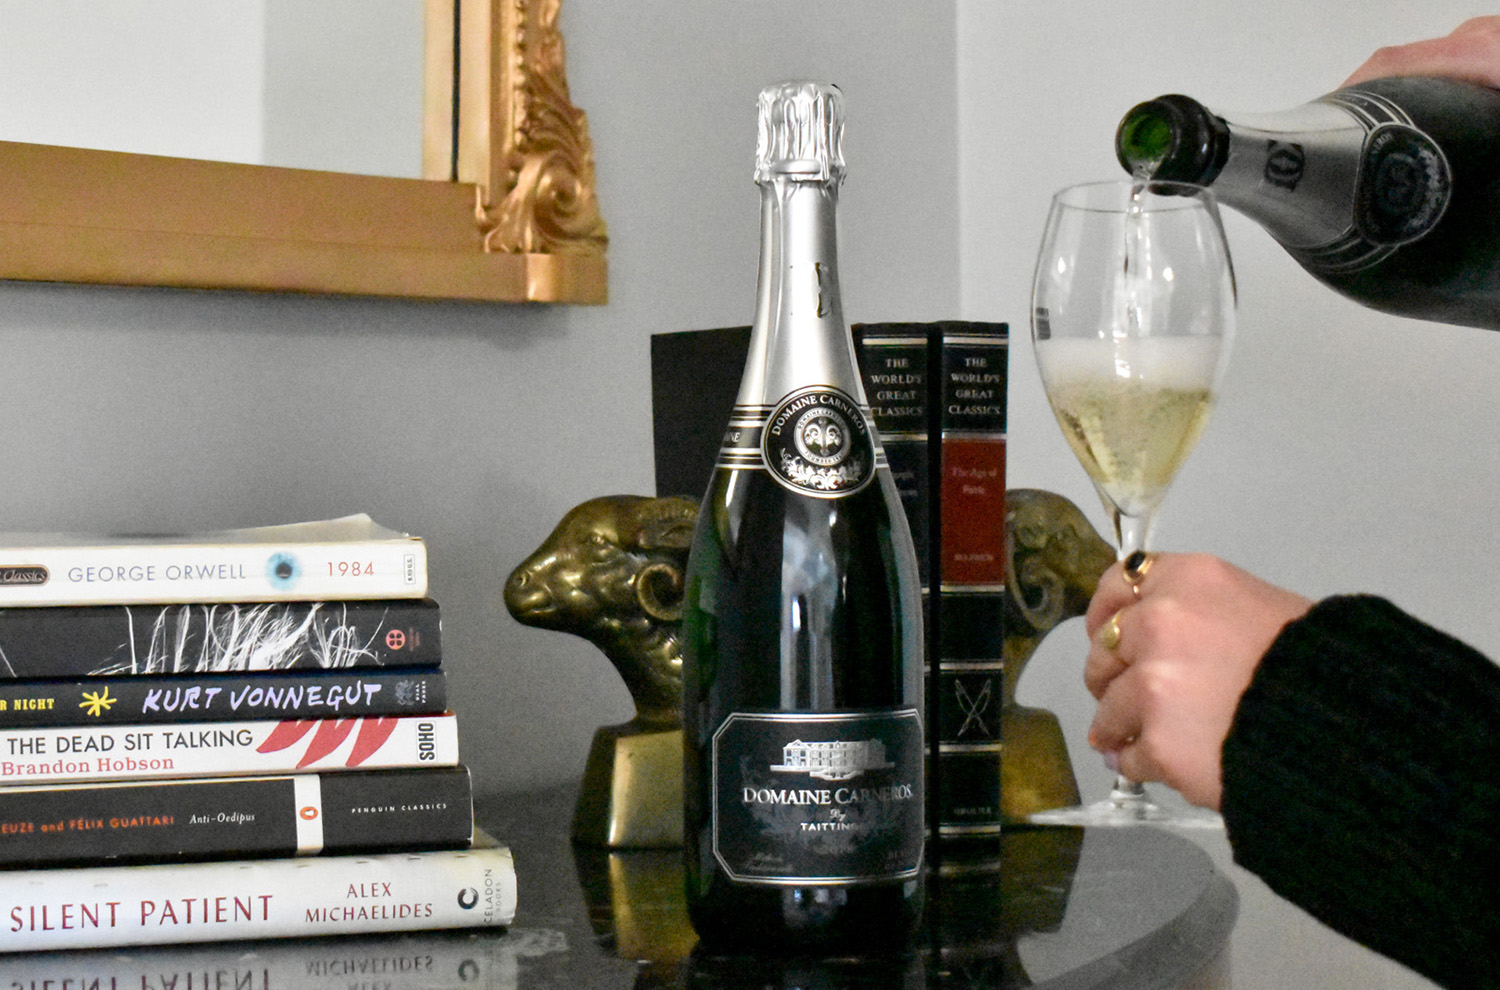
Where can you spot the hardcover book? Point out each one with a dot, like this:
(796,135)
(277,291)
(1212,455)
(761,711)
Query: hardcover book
(694,377)
(938,397)
(217,637)
(968,686)
(160,904)
(222,697)
(236,817)
(131,752)
(349,557)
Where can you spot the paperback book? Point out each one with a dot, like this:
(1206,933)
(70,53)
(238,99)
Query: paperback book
(134,752)
(222,697)
(347,558)
(217,637)
(301,814)
(161,904)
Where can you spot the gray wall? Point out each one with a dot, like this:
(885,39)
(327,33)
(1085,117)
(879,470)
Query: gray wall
(1349,451)
(478,426)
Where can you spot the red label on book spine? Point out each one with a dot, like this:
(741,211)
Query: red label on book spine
(973,511)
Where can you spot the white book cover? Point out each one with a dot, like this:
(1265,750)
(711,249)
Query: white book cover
(352,557)
(71,754)
(96,907)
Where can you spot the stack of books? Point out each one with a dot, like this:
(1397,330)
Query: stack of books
(231,735)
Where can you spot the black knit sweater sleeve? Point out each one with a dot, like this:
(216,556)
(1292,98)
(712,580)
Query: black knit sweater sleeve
(1362,783)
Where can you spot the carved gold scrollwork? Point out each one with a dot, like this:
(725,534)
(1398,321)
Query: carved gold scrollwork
(546,161)
(521,153)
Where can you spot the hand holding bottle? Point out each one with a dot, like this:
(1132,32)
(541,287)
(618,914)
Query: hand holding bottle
(1470,53)
(1185,647)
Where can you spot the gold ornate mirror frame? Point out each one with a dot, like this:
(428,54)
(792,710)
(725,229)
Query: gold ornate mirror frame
(512,217)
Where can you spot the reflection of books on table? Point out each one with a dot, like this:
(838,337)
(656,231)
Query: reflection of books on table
(72,754)
(217,637)
(417,960)
(94,907)
(347,558)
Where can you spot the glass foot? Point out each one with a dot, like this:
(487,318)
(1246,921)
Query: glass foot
(1125,807)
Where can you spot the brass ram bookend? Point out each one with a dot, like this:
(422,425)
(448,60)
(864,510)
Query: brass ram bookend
(1053,563)
(611,572)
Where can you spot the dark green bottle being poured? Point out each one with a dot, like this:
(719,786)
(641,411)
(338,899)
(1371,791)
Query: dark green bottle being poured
(1386,191)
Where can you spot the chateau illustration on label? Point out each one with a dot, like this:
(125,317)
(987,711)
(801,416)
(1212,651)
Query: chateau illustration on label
(839,760)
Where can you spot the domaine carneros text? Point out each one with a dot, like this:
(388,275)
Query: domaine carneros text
(827,795)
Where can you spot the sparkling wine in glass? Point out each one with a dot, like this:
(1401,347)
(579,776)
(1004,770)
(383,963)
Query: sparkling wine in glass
(1132,317)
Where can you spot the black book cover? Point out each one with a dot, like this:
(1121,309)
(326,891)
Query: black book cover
(217,638)
(896,361)
(695,376)
(968,689)
(236,818)
(937,394)
(221,697)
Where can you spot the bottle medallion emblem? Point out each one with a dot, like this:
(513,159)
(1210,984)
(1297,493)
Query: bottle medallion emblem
(1404,185)
(817,442)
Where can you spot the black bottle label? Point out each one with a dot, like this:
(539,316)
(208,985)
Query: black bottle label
(829,798)
(817,441)
(1403,187)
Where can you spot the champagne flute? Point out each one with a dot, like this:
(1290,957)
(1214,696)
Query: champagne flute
(1132,317)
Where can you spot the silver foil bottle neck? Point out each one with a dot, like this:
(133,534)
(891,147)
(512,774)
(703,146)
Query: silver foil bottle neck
(801,132)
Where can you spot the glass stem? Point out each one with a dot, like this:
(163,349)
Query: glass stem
(1131,534)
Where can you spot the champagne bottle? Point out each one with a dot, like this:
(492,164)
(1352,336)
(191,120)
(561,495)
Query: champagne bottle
(1386,191)
(802,629)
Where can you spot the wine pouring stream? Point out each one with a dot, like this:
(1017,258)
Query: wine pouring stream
(1132,319)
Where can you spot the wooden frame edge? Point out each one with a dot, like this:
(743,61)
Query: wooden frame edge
(520,225)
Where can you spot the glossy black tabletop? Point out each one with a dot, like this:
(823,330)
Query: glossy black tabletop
(1067,908)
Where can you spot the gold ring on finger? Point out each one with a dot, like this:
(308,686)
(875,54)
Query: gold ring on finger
(1135,567)
(1109,633)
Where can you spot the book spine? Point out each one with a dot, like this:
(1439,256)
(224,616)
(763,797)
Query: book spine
(893,362)
(213,572)
(939,390)
(229,637)
(898,365)
(236,817)
(98,907)
(970,603)
(221,697)
(137,752)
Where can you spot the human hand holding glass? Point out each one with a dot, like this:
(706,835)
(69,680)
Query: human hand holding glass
(1132,318)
